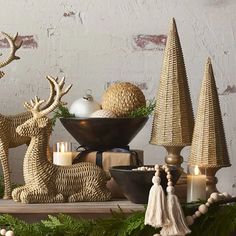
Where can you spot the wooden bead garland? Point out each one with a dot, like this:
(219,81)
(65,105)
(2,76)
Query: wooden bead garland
(203,208)
(190,219)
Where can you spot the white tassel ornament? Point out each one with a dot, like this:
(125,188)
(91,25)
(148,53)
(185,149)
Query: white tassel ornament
(178,225)
(156,214)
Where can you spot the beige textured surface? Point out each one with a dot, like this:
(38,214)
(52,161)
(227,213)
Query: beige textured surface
(173,118)
(123,98)
(209,148)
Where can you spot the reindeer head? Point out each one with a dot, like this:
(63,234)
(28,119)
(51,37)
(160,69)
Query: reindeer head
(14,47)
(39,121)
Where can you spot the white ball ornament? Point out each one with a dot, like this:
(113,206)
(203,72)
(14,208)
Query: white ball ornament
(203,209)
(3,232)
(9,233)
(189,220)
(85,106)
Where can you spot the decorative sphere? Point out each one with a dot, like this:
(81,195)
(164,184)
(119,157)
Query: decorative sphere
(84,107)
(103,114)
(203,209)
(189,220)
(123,98)
(9,233)
(215,196)
(3,232)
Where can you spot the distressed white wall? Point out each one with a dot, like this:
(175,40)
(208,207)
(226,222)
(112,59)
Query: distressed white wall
(93,42)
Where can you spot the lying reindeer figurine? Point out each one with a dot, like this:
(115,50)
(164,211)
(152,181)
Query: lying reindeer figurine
(46,182)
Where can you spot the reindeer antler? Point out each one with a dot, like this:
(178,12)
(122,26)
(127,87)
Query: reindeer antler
(52,94)
(14,47)
(58,90)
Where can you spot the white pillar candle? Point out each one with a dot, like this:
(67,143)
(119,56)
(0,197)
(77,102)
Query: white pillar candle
(62,156)
(196,186)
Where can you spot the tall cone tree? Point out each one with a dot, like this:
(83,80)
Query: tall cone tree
(173,118)
(209,148)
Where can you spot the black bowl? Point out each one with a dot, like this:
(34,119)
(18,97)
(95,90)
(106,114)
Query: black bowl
(100,133)
(136,184)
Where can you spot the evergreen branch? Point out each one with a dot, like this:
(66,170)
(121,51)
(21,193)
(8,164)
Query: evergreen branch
(61,112)
(144,111)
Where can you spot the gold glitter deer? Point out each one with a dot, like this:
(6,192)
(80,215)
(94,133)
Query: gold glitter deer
(46,182)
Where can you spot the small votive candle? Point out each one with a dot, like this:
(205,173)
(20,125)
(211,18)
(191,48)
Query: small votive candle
(196,185)
(62,154)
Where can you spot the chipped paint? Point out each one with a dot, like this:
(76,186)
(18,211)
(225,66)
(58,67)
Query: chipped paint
(69,14)
(29,41)
(230,89)
(149,42)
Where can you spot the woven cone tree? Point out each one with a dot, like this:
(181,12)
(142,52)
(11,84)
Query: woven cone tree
(209,148)
(173,118)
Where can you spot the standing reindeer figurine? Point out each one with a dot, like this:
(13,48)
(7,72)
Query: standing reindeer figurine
(46,182)
(8,124)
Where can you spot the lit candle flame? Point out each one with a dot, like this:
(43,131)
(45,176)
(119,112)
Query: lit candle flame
(196,170)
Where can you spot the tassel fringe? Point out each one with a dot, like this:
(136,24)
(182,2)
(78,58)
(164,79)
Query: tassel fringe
(156,214)
(178,225)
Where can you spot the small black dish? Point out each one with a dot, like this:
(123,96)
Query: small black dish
(136,184)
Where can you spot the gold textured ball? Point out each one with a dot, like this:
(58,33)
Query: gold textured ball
(123,98)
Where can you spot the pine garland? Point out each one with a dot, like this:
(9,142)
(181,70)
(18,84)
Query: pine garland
(219,221)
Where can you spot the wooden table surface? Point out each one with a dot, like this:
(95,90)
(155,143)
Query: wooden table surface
(35,212)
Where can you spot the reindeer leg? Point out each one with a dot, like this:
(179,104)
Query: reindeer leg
(77,197)
(17,192)
(5,169)
(40,196)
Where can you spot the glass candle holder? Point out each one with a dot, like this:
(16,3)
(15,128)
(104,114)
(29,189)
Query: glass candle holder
(196,184)
(62,154)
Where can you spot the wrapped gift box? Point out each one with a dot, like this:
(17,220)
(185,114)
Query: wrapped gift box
(107,159)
